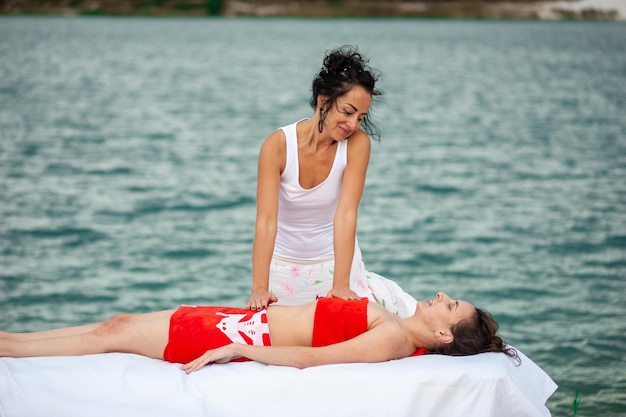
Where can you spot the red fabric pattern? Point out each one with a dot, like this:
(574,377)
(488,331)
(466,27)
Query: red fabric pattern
(196,329)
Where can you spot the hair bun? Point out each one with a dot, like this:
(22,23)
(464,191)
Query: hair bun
(343,60)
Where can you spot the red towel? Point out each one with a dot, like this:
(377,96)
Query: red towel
(194,330)
(338,320)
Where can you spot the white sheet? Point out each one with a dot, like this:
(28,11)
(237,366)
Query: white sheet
(125,385)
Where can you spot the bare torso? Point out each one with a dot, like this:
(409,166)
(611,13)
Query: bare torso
(293,325)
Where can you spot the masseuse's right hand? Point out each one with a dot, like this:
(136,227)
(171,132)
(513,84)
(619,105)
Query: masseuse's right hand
(261,299)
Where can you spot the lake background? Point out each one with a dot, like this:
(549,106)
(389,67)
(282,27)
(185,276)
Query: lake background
(128,150)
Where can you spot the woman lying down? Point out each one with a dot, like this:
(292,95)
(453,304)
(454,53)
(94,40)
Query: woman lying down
(325,331)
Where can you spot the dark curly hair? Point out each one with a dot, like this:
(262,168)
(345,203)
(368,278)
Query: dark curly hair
(344,68)
(476,335)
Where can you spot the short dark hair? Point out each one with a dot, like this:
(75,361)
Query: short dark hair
(476,335)
(344,68)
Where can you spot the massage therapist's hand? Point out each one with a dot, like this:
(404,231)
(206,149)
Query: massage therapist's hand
(343,292)
(261,299)
(222,354)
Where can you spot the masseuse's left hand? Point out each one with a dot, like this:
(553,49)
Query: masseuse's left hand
(343,292)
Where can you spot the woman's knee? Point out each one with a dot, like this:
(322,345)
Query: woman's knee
(121,318)
(115,324)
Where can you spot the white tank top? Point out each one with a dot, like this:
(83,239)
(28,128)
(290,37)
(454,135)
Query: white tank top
(305,216)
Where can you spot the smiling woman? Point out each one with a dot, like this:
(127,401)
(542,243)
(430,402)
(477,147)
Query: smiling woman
(311,176)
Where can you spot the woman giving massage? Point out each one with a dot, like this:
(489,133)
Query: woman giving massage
(326,331)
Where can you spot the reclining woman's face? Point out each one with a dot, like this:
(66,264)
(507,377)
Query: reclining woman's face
(444,312)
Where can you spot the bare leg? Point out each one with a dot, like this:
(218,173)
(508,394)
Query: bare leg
(142,334)
(75,330)
(45,334)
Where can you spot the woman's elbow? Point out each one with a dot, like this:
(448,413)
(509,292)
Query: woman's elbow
(346,217)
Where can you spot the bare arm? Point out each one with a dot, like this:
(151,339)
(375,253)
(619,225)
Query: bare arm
(382,343)
(271,163)
(345,221)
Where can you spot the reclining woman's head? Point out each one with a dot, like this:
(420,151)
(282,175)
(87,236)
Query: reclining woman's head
(473,335)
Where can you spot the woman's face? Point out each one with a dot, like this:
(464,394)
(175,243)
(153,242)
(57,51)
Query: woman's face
(444,312)
(347,113)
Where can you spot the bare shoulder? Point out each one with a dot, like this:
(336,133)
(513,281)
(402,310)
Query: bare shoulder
(388,335)
(275,142)
(273,153)
(359,148)
(377,315)
(359,140)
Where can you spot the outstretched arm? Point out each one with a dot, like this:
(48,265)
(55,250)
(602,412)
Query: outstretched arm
(271,162)
(382,343)
(345,221)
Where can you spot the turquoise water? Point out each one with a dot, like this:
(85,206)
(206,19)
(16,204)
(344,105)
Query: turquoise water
(128,154)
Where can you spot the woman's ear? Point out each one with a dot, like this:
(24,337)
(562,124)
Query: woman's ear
(444,336)
(321,101)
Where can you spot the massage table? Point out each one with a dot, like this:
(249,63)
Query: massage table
(128,385)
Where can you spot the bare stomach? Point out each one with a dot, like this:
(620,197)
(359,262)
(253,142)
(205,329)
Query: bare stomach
(291,325)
